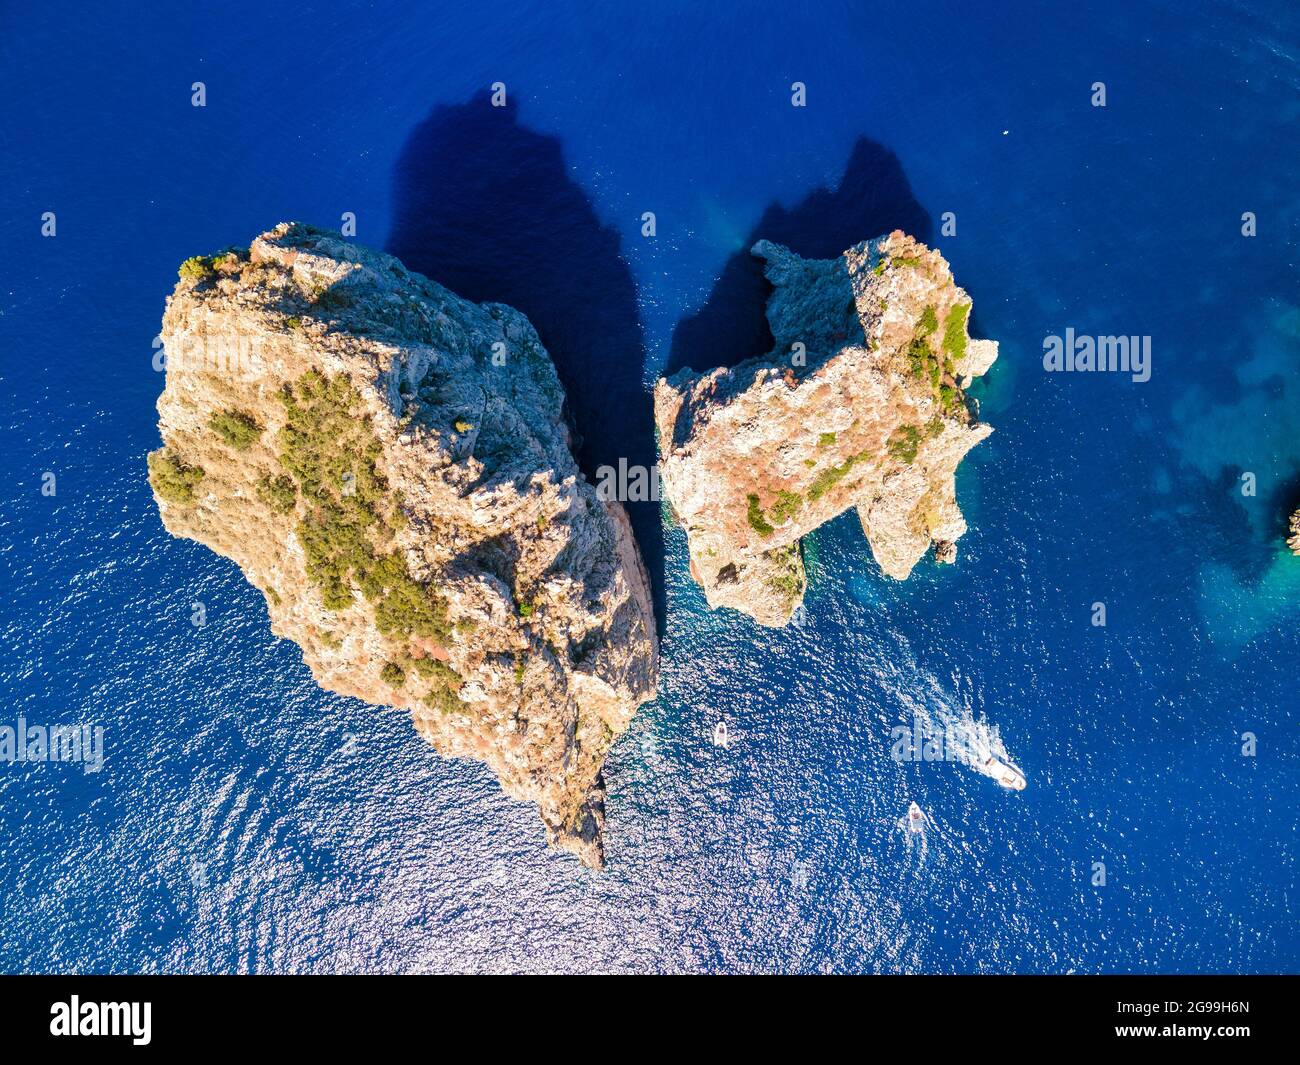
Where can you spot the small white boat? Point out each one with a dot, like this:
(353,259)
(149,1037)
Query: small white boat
(720,734)
(1006,774)
(915,819)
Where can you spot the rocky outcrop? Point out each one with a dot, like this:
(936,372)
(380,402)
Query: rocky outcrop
(389,465)
(860,404)
(1293,540)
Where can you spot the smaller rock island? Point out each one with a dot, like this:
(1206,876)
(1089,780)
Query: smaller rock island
(861,403)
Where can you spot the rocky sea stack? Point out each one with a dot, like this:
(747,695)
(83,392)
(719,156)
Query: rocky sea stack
(390,466)
(861,403)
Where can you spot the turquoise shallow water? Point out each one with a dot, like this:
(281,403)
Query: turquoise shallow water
(246,821)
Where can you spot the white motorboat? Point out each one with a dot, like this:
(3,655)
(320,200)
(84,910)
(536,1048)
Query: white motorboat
(1005,773)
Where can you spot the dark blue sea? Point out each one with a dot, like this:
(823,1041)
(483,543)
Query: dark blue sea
(244,820)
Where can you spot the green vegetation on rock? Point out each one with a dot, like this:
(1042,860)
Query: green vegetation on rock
(433,669)
(278,493)
(950,398)
(328,447)
(826,440)
(197,268)
(788,579)
(236,428)
(442,700)
(786,506)
(756,520)
(927,365)
(905,441)
(172,479)
(954,332)
(393,675)
(203,267)
(830,477)
(444,684)
(919,358)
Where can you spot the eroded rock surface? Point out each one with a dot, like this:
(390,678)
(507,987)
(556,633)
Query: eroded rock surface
(860,404)
(390,466)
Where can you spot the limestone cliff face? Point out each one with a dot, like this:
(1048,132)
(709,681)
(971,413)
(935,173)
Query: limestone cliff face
(389,465)
(1293,530)
(860,404)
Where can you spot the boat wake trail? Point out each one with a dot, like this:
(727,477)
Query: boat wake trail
(941,732)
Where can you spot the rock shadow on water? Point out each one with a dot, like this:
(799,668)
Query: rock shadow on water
(486,207)
(872,198)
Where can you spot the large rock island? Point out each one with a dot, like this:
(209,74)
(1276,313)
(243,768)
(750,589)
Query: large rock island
(860,404)
(390,466)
